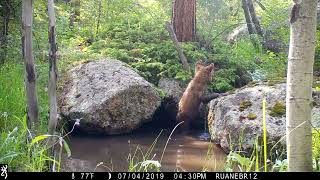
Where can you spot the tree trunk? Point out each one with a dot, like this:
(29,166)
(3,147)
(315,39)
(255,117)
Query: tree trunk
(247,17)
(53,74)
(299,85)
(184,20)
(53,71)
(99,17)
(30,76)
(318,13)
(74,17)
(254,18)
(182,58)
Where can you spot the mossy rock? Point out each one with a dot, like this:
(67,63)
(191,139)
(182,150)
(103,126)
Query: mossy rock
(276,81)
(160,92)
(252,84)
(244,105)
(252,116)
(278,110)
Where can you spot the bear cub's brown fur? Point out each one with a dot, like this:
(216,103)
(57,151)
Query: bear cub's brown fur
(191,99)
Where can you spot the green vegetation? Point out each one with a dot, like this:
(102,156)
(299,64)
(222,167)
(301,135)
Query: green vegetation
(133,31)
(316,149)
(13,121)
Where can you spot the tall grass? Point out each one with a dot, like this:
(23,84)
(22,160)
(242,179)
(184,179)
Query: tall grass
(143,162)
(15,150)
(238,162)
(264,133)
(12,95)
(12,111)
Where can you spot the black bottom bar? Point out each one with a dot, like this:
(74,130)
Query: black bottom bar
(157,175)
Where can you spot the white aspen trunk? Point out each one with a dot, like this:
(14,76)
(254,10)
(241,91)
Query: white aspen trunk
(30,75)
(299,85)
(52,68)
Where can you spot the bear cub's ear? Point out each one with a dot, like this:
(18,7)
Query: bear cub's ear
(199,66)
(210,67)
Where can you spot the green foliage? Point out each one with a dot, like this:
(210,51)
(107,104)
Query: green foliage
(14,150)
(10,148)
(133,31)
(224,80)
(150,71)
(13,128)
(235,65)
(138,37)
(271,66)
(12,94)
(316,66)
(276,18)
(280,166)
(244,164)
(316,148)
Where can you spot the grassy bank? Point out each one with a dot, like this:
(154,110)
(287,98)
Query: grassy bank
(15,150)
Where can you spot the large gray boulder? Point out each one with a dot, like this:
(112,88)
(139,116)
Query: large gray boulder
(172,88)
(237,33)
(235,121)
(108,97)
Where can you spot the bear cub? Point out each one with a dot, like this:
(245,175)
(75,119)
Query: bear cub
(188,108)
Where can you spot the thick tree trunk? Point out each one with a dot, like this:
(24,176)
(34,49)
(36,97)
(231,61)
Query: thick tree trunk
(184,20)
(247,16)
(299,85)
(53,71)
(254,18)
(174,39)
(30,76)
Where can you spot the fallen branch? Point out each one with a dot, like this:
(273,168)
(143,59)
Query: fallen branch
(174,39)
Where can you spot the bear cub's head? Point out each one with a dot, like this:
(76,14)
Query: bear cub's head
(204,72)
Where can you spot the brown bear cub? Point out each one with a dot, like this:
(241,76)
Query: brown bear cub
(192,97)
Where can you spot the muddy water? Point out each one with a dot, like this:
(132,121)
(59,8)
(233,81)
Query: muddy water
(112,153)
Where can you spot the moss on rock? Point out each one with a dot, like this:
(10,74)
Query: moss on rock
(244,105)
(278,110)
(252,116)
